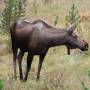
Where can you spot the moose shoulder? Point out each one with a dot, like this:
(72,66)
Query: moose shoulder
(36,38)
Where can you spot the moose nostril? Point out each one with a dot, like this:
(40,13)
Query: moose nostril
(86,46)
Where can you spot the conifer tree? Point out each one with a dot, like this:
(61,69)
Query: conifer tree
(73,16)
(14,9)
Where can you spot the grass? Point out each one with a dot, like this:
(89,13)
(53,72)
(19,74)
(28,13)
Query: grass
(60,71)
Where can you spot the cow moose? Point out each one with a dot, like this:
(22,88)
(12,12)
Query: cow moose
(36,38)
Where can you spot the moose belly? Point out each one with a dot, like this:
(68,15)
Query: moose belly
(37,49)
(33,48)
(22,46)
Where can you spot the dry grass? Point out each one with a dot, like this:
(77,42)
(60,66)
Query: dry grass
(59,72)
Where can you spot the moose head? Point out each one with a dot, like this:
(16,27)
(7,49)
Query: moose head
(74,41)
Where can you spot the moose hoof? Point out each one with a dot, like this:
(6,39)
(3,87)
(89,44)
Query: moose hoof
(37,79)
(21,78)
(15,77)
(25,79)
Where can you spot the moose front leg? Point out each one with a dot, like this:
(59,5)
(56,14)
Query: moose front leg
(41,58)
(29,62)
(68,50)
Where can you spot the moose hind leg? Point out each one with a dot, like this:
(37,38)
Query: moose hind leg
(14,61)
(20,56)
(29,62)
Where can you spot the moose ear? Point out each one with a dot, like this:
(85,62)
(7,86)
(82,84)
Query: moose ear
(71,28)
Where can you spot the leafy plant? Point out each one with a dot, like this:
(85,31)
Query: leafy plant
(1,84)
(88,72)
(84,86)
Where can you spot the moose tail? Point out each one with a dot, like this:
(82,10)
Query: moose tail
(13,27)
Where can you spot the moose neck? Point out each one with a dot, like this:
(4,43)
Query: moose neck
(56,38)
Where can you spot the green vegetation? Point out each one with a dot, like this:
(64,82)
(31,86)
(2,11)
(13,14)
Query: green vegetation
(1,84)
(14,9)
(73,16)
(84,87)
(89,73)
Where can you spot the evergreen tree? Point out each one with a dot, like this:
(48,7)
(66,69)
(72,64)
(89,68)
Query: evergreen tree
(14,9)
(73,16)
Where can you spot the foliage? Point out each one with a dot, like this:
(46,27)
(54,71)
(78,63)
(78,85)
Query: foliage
(1,84)
(73,16)
(84,86)
(14,9)
(88,73)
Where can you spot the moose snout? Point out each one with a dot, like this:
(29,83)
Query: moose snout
(85,47)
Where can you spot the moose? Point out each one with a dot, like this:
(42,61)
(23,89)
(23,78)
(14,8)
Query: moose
(36,38)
